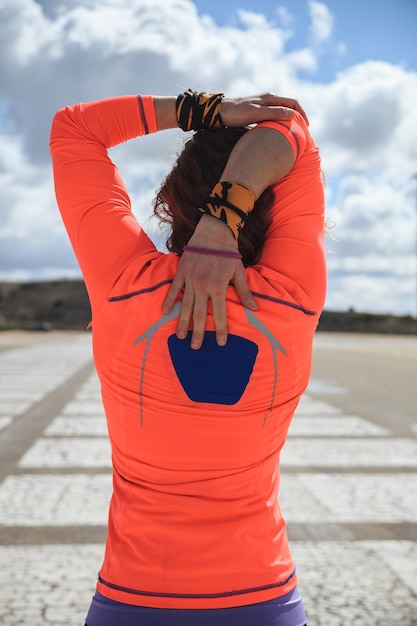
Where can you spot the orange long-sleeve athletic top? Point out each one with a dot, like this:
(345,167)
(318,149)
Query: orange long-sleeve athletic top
(194,519)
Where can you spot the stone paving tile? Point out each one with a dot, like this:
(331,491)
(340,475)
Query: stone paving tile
(342,583)
(29,393)
(334,426)
(16,406)
(47,585)
(28,374)
(83,415)
(55,500)
(309,406)
(352,583)
(84,407)
(298,504)
(63,426)
(356,583)
(5,420)
(329,387)
(355,497)
(401,557)
(63,453)
(349,453)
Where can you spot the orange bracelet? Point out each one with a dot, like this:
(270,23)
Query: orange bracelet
(231,202)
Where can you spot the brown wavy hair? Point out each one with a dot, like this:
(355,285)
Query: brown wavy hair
(196,171)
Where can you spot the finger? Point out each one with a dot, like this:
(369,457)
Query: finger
(172,295)
(220,318)
(199,322)
(294,105)
(186,311)
(242,289)
(284,113)
(279,113)
(299,108)
(287,103)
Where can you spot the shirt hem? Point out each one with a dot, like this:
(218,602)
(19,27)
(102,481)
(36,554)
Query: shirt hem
(239,597)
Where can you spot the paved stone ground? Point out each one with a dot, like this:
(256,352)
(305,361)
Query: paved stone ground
(349,494)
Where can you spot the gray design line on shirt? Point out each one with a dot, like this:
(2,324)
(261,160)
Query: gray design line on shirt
(275,344)
(148,335)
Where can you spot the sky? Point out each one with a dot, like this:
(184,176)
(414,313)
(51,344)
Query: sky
(351,63)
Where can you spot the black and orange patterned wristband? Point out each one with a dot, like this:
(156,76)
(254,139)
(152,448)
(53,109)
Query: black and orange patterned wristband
(230,202)
(198,110)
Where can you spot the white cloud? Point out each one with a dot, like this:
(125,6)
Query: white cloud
(52,54)
(372,264)
(321,22)
(365,120)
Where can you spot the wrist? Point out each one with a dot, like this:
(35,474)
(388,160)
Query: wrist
(165,112)
(211,232)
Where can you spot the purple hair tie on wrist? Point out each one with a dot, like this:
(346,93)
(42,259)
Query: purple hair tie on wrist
(228,253)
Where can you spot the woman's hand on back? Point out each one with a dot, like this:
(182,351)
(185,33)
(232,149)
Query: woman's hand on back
(260,108)
(206,278)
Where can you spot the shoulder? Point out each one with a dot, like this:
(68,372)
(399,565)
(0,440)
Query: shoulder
(295,131)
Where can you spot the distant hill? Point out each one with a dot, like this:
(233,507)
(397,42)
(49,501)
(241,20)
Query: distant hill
(63,304)
(356,322)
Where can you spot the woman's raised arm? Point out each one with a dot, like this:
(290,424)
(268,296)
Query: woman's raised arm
(260,159)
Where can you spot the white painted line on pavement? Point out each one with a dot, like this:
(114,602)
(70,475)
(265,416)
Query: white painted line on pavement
(5,421)
(62,426)
(310,406)
(74,452)
(349,452)
(55,500)
(349,498)
(334,426)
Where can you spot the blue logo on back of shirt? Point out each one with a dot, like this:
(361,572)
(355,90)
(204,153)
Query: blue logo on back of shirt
(213,374)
